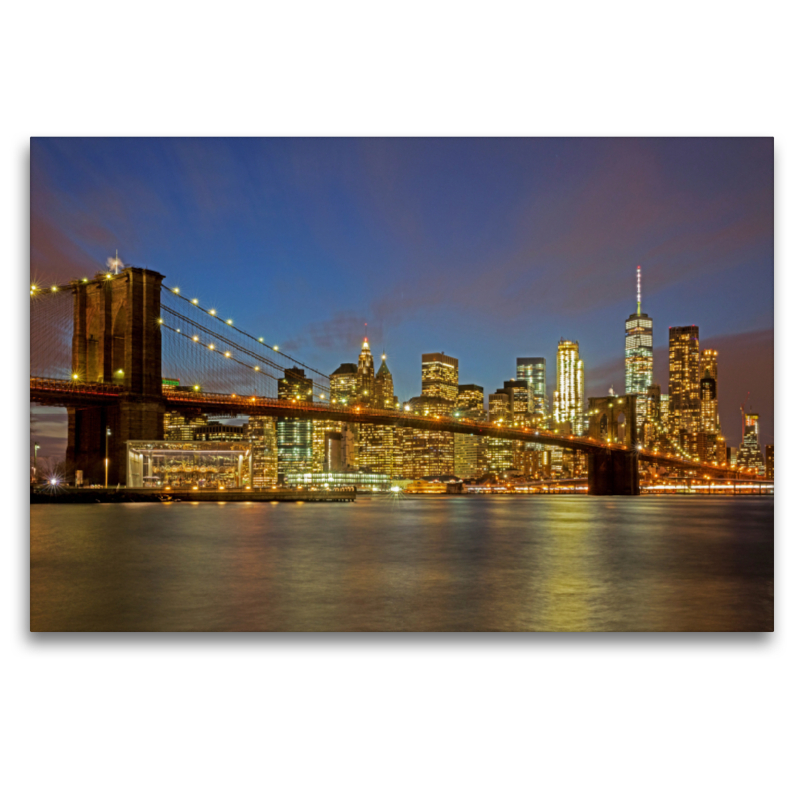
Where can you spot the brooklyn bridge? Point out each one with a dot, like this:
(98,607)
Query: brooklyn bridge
(102,346)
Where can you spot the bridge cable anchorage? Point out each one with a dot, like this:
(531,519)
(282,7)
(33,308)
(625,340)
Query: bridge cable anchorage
(229,323)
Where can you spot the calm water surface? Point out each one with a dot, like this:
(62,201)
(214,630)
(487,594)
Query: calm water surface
(400,563)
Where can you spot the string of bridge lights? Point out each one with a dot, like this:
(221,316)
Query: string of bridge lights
(212,312)
(212,347)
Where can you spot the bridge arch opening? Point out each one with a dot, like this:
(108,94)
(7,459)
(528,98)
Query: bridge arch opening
(619,426)
(118,346)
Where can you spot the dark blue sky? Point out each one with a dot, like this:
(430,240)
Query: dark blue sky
(487,249)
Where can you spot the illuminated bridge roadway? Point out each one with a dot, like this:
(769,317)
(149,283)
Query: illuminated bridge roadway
(49,391)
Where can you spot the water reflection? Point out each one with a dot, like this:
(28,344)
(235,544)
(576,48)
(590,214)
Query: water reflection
(493,563)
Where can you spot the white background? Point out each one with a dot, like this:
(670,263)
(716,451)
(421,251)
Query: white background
(639,716)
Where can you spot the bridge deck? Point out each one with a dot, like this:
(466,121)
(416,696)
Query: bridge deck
(48,391)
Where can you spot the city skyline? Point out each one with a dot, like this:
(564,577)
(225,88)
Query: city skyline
(78,241)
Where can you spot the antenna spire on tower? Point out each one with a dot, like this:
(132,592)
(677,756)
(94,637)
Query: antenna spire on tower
(638,290)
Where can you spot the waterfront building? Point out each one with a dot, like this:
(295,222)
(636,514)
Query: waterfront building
(185,465)
(638,353)
(363,482)
(568,411)
(534,371)
(770,459)
(321,429)
(294,436)
(425,452)
(684,381)
(376,448)
(262,433)
(440,376)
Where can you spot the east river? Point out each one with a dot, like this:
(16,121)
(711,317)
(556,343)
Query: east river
(400,563)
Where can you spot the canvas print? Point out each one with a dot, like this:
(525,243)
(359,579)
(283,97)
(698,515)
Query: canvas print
(414,384)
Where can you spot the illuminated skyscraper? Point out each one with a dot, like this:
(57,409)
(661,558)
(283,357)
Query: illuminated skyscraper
(684,381)
(427,453)
(378,445)
(295,436)
(469,402)
(440,376)
(708,361)
(344,391)
(263,437)
(770,466)
(468,450)
(344,384)
(709,392)
(534,371)
(499,453)
(568,396)
(366,374)
(708,403)
(181,427)
(384,387)
(749,455)
(638,352)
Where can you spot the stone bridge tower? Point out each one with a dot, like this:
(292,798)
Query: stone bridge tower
(613,420)
(116,339)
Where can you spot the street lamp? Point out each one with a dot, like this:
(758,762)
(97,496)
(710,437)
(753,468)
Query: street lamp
(35,450)
(108,433)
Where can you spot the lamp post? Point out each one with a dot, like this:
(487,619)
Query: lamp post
(108,433)
(35,450)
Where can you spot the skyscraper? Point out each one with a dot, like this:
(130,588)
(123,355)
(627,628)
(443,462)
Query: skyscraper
(344,390)
(440,376)
(709,392)
(378,445)
(427,452)
(263,438)
(568,395)
(638,352)
(684,381)
(468,449)
(295,436)
(366,374)
(384,387)
(499,453)
(749,455)
(519,395)
(344,384)
(534,371)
